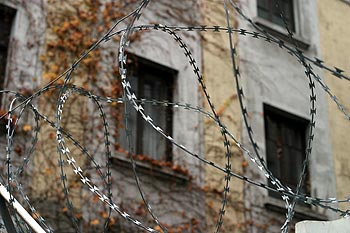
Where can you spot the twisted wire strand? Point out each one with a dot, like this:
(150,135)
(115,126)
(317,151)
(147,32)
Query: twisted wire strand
(130,98)
(187,106)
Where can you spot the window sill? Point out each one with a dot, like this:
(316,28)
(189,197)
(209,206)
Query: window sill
(280,32)
(162,172)
(301,212)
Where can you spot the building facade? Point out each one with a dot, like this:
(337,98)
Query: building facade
(279,106)
(278,98)
(265,98)
(42,40)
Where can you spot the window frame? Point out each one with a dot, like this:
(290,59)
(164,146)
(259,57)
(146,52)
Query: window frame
(287,118)
(301,40)
(270,10)
(140,68)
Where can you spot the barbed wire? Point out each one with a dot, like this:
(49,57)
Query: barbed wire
(129,98)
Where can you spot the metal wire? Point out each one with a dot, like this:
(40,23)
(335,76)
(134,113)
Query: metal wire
(67,160)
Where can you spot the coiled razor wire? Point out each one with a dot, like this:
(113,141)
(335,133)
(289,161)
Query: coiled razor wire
(21,103)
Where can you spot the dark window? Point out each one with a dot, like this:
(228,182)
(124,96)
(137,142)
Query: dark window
(150,81)
(285,136)
(6,18)
(7,15)
(269,10)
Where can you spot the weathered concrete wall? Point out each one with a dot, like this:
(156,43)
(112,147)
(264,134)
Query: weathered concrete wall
(23,68)
(174,200)
(334,37)
(218,76)
(336,226)
(270,75)
(46,173)
(23,64)
(178,204)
